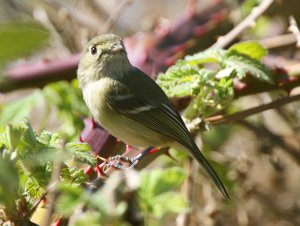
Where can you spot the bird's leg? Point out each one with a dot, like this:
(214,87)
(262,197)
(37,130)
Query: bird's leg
(137,158)
(115,161)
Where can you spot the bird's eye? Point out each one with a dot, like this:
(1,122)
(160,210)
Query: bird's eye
(93,50)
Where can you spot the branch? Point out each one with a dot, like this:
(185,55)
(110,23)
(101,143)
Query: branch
(151,52)
(222,119)
(294,29)
(262,131)
(108,24)
(83,19)
(248,22)
(278,41)
(39,74)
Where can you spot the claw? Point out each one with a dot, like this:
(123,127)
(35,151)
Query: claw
(115,162)
(101,169)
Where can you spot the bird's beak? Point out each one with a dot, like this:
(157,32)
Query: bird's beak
(117,48)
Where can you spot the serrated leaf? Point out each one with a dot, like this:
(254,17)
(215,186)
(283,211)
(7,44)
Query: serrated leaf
(73,175)
(20,136)
(207,56)
(244,65)
(49,139)
(251,49)
(82,151)
(32,188)
(182,80)
(227,72)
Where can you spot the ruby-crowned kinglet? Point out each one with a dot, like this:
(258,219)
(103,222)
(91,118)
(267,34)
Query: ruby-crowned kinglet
(129,104)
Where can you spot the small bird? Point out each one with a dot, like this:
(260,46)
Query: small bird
(129,104)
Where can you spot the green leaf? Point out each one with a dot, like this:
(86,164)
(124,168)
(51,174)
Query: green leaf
(17,110)
(49,139)
(91,218)
(156,183)
(244,65)
(177,80)
(20,137)
(169,202)
(251,49)
(73,175)
(83,152)
(9,184)
(208,56)
(70,197)
(33,188)
(66,97)
(160,181)
(19,39)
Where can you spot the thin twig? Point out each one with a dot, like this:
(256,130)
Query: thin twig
(36,204)
(294,29)
(108,24)
(82,18)
(248,22)
(222,119)
(278,41)
(262,131)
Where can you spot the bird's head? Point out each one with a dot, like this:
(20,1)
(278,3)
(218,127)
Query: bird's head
(103,54)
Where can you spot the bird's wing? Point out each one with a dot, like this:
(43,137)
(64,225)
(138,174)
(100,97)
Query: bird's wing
(162,118)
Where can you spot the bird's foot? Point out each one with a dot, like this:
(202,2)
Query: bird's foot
(118,161)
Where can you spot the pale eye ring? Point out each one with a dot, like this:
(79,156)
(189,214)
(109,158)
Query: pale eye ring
(93,50)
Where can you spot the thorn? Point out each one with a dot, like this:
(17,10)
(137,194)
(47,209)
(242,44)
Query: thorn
(88,170)
(169,61)
(100,170)
(154,150)
(80,139)
(94,124)
(101,158)
(57,222)
(44,202)
(128,147)
(200,30)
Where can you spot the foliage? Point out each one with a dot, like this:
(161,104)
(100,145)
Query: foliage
(156,195)
(27,161)
(208,76)
(67,99)
(28,158)
(19,39)
(64,97)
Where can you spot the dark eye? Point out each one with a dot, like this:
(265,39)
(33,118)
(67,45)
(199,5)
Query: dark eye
(93,50)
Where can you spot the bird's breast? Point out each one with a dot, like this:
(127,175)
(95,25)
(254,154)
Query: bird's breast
(120,126)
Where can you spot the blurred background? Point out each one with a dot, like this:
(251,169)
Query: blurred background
(257,157)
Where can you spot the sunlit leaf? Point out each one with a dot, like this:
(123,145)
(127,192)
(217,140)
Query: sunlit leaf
(82,151)
(251,49)
(17,110)
(19,39)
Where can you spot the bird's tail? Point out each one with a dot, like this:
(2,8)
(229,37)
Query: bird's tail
(195,151)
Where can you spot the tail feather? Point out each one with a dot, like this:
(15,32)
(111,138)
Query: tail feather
(209,170)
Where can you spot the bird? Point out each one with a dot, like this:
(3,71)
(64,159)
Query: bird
(130,105)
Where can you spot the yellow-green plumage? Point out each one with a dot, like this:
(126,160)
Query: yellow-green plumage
(129,104)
